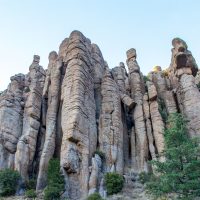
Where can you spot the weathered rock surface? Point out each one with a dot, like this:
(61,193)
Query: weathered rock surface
(78,114)
(11,115)
(185,68)
(110,125)
(137,93)
(96,174)
(51,92)
(78,109)
(26,145)
(156,119)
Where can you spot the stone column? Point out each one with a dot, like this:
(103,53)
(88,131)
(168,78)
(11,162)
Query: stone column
(78,115)
(52,93)
(137,92)
(11,116)
(26,145)
(156,119)
(110,125)
(185,69)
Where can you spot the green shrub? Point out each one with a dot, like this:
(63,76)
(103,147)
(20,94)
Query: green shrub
(52,192)
(8,182)
(31,184)
(114,183)
(100,153)
(146,78)
(144,177)
(55,181)
(31,193)
(53,173)
(94,196)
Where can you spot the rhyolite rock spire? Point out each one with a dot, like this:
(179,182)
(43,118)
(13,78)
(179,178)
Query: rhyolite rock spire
(79,107)
(78,115)
(185,69)
(139,132)
(51,92)
(11,116)
(26,146)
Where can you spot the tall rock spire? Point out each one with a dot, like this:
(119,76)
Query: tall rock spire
(185,68)
(137,92)
(26,146)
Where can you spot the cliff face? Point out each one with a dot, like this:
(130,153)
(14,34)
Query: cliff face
(78,105)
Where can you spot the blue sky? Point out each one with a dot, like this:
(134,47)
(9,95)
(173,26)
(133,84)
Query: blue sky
(31,27)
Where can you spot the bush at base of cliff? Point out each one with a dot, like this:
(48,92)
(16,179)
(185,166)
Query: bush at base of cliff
(114,183)
(31,184)
(52,192)
(55,181)
(31,193)
(144,177)
(8,182)
(95,196)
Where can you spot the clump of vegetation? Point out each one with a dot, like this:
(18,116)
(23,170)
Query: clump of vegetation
(198,85)
(165,73)
(31,193)
(52,192)
(157,69)
(100,153)
(162,109)
(31,184)
(179,174)
(8,182)
(146,78)
(27,89)
(114,182)
(144,177)
(30,188)
(55,181)
(95,196)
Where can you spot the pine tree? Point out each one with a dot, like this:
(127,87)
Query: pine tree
(179,174)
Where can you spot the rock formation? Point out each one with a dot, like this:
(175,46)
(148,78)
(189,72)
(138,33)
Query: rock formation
(26,146)
(51,92)
(156,119)
(11,116)
(110,125)
(78,114)
(185,69)
(139,133)
(78,110)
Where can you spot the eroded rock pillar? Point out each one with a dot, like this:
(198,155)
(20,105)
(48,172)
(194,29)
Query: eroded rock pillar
(26,145)
(185,69)
(52,93)
(110,126)
(78,115)
(11,115)
(137,92)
